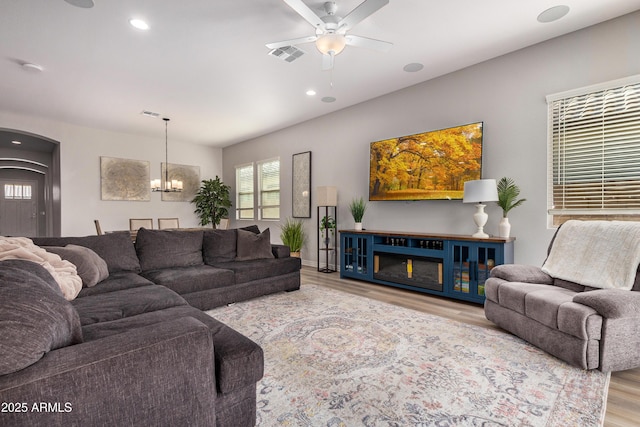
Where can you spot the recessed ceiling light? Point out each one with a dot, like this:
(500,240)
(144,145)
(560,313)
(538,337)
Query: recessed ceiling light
(16,142)
(328,99)
(413,67)
(311,92)
(85,4)
(139,24)
(553,14)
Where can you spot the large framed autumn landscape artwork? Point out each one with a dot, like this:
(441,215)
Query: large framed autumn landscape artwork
(431,165)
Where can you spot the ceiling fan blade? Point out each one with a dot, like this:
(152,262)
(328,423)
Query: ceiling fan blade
(304,11)
(327,62)
(292,42)
(359,41)
(366,8)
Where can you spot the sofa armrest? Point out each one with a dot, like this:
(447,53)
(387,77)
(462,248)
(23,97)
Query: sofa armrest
(611,303)
(161,374)
(280,251)
(521,273)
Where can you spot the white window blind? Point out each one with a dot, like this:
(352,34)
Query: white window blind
(594,151)
(269,184)
(244,192)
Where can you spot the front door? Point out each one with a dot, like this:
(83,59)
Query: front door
(18,208)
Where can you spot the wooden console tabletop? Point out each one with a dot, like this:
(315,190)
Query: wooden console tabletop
(463,237)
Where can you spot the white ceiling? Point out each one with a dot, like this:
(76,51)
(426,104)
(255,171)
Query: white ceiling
(204,63)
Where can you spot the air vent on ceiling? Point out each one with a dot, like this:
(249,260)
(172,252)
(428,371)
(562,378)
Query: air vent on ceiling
(150,114)
(287,53)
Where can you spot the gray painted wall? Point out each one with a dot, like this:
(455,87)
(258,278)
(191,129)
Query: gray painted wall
(506,93)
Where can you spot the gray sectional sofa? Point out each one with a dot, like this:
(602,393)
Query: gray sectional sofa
(135,348)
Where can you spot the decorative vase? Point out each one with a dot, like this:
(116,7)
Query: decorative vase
(504,228)
(359,226)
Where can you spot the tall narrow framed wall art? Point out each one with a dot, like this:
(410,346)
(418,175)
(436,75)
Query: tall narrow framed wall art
(301,185)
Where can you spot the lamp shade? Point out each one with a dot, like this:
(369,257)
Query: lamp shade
(327,196)
(480,190)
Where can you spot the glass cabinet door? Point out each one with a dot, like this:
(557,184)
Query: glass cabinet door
(355,255)
(472,264)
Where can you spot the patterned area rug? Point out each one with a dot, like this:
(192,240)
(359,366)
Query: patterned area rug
(335,359)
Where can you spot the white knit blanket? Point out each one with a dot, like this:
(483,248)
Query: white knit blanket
(600,254)
(63,272)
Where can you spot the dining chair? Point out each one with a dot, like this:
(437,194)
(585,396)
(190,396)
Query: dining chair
(224,224)
(137,223)
(98,228)
(164,223)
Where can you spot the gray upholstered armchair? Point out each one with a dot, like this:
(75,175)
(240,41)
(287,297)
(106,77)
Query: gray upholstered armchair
(592,321)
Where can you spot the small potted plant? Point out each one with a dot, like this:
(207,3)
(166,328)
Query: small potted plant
(292,234)
(358,208)
(212,202)
(327,225)
(508,193)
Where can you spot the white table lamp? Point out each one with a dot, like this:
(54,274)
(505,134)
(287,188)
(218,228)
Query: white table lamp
(478,191)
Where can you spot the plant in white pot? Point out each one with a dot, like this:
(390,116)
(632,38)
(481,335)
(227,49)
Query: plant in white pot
(358,208)
(508,193)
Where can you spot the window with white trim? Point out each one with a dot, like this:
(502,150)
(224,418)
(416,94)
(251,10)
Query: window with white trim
(594,152)
(17,191)
(244,192)
(269,185)
(263,204)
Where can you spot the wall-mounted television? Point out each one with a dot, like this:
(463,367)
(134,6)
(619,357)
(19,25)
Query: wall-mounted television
(426,166)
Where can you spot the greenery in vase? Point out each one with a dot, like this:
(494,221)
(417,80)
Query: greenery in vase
(212,202)
(292,234)
(357,208)
(508,193)
(328,223)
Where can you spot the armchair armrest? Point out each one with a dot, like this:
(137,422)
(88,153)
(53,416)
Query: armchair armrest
(521,273)
(280,251)
(611,303)
(161,374)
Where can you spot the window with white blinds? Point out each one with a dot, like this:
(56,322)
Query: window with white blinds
(269,184)
(594,152)
(244,192)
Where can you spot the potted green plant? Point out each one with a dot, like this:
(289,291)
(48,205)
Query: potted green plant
(327,225)
(292,234)
(358,208)
(212,202)
(508,193)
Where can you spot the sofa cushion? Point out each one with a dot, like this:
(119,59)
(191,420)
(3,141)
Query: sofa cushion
(35,316)
(168,248)
(185,280)
(247,271)
(115,248)
(116,282)
(125,303)
(91,268)
(253,246)
(238,360)
(511,295)
(219,246)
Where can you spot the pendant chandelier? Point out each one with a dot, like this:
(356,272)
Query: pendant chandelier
(172,186)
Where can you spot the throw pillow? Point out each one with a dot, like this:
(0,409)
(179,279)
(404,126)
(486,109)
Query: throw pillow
(36,318)
(91,268)
(219,246)
(253,246)
(168,248)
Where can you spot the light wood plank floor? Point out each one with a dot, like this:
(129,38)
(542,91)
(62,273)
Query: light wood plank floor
(623,403)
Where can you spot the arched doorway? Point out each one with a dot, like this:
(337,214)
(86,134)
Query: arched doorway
(29,184)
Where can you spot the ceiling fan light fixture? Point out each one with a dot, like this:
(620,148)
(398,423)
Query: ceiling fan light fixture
(331,44)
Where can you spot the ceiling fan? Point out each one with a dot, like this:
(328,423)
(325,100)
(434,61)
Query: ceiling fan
(331,30)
